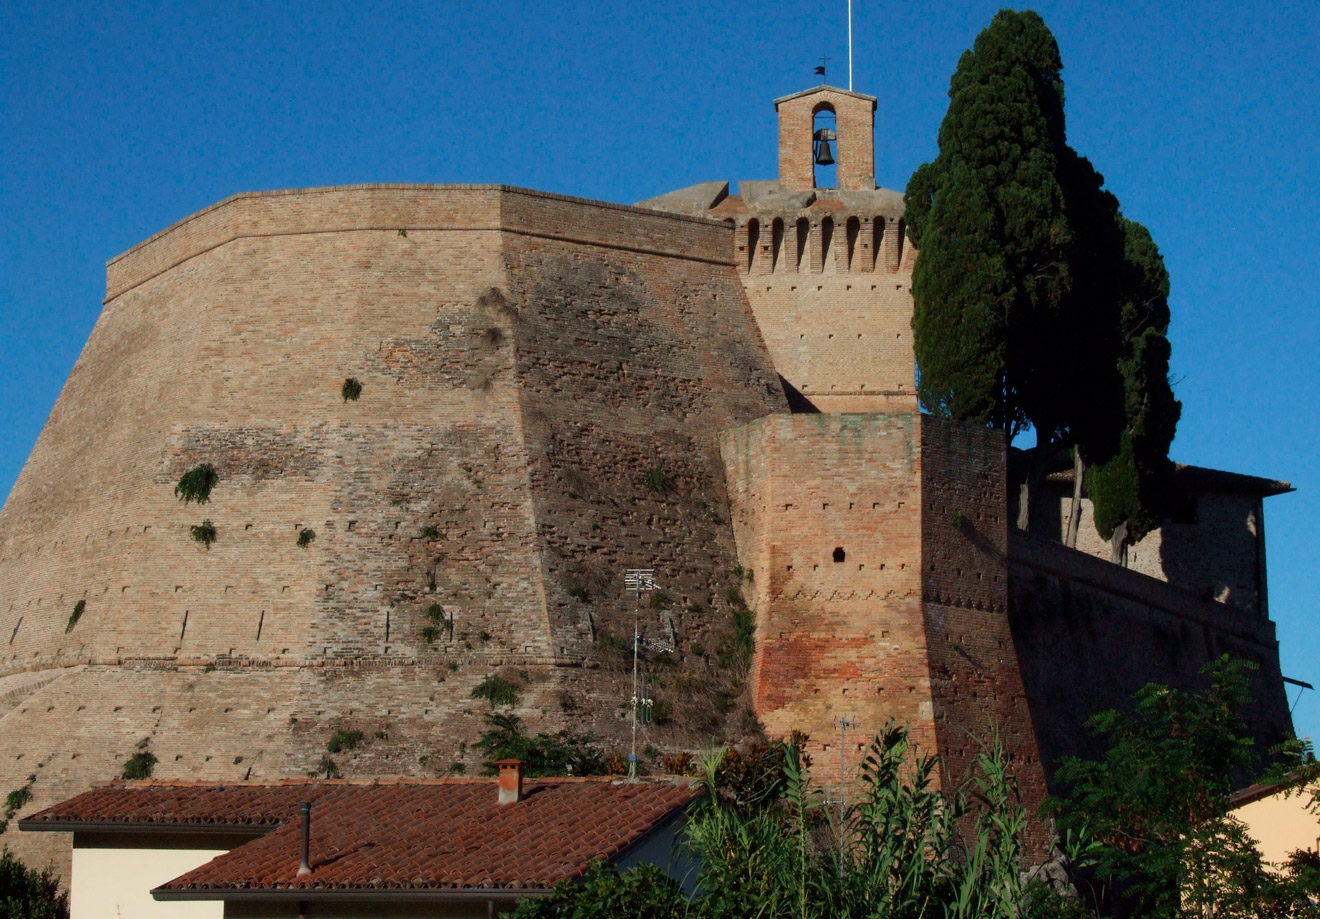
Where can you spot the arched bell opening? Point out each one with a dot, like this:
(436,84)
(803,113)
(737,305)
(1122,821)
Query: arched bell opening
(824,146)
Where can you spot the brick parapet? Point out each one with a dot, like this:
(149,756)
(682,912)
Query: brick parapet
(392,208)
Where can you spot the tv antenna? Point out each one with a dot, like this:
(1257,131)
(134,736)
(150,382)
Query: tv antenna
(639,581)
(849,45)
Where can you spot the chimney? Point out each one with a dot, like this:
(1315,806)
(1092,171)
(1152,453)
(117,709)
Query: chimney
(511,775)
(306,867)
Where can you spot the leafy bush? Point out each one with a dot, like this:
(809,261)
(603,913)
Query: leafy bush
(305,537)
(78,609)
(140,765)
(26,893)
(342,740)
(438,620)
(204,533)
(15,800)
(644,892)
(196,484)
(351,389)
(496,690)
(430,532)
(563,753)
(327,769)
(655,480)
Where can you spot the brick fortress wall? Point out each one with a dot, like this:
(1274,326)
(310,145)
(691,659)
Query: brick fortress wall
(491,369)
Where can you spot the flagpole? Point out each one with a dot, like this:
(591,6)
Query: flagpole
(849,45)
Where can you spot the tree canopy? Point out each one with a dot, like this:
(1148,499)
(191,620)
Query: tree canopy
(1037,304)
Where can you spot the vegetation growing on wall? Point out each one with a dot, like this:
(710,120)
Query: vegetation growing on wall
(351,390)
(305,537)
(204,533)
(78,609)
(141,764)
(563,753)
(496,690)
(196,484)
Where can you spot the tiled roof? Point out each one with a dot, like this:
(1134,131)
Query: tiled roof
(443,835)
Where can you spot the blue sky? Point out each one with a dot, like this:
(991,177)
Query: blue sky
(117,119)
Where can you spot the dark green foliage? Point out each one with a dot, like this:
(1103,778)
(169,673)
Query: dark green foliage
(644,892)
(305,537)
(562,753)
(141,764)
(352,389)
(579,592)
(1157,804)
(1132,485)
(342,741)
(15,800)
(204,533)
(26,893)
(196,484)
(78,609)
(437,621)
(655,480)
(430,532)
(1036,303)
(988,219)
(327,769)
(496,690)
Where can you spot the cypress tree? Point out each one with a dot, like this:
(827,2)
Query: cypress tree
(1037,305)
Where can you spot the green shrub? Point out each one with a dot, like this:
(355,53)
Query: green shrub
(204,533)
(26,893)
(196,484)
(15,800)
(644,892)
(458,768)
(430,532)
(497,691)
(655,480)
(437,621)
(342,740)
(351,389)
(78,609)
(562,753)
(305,537)
(140,765)
(327,769)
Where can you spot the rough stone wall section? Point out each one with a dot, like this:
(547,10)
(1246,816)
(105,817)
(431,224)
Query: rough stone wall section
(1089,634)
(976,682)
(506,342)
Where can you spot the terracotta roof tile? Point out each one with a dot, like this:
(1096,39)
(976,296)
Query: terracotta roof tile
(446,834)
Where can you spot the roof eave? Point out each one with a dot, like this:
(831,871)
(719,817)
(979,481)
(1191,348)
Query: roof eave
(352,894)
(101,826)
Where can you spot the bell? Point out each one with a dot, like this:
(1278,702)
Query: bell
(823,155)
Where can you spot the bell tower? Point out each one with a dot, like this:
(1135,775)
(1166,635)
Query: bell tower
(799,146)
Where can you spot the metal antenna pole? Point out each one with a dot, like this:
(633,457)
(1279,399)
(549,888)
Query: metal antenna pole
(849,45)
(636,580)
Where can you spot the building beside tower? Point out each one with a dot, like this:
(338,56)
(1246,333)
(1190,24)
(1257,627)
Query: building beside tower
(717,386)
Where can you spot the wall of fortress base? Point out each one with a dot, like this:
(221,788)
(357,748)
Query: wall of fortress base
(526,361)
(1089,634)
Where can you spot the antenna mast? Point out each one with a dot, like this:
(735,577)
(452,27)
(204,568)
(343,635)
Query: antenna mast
(636,580)
(849,45)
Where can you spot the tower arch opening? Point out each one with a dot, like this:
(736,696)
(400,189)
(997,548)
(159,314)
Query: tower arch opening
(824,146)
